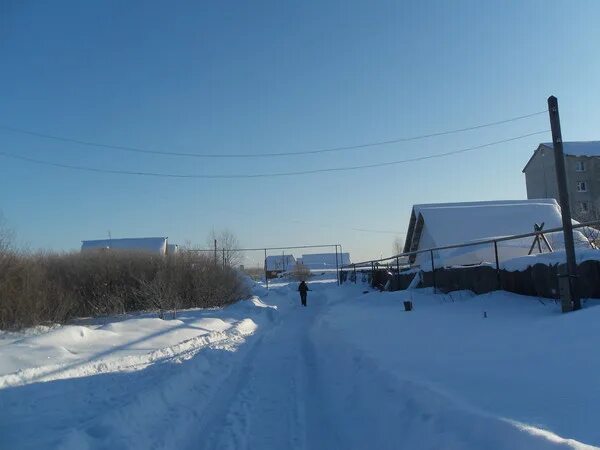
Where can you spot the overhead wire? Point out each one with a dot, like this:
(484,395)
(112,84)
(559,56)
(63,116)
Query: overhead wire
(265,154)
(263,175)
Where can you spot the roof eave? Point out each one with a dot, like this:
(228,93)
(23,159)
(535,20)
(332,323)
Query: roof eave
(533,156)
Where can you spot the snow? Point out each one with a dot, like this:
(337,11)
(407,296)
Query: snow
(582,148)
(352,371)
(548,259)
(147,244)
(456,223)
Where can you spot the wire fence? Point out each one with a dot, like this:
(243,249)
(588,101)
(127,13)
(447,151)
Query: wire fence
(406,260)
(268,262)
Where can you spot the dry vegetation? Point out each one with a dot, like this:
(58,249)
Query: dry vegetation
(53,288)
(301,272)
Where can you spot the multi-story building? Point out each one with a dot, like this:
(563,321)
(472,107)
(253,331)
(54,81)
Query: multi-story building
(582,164)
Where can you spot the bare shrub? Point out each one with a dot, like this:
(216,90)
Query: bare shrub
(256,273)
(53,288)
(591,234)
(300,272)
(227,245)
(398,246)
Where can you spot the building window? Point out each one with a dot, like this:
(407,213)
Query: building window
(583,207)
(581,186)
(580,166)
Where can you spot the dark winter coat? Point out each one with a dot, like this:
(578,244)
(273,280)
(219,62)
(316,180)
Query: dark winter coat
(303,288)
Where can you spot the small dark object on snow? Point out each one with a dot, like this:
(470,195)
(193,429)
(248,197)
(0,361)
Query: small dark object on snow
(365,292)
(408,306)
(485,315)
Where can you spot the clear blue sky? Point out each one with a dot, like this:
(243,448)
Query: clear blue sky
(247,77)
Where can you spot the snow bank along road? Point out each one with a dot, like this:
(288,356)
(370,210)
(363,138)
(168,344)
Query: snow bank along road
(351,371)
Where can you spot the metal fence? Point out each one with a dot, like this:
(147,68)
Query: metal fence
(255,259)
(400,261)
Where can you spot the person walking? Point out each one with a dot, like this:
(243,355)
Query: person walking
(303,289)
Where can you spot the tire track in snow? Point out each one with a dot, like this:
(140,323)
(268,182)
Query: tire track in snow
(262,405)
(168,399)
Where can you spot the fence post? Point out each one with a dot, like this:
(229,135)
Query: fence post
(372,274)
(266,275)
(354,266)
(433,273)
(497,266)
(337,270)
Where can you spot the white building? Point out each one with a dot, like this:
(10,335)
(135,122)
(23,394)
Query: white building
(324,260)
(442,224)
(155,245)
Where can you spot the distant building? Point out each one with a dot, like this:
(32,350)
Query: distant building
(154,245)
(324,260)
(276,264)
(582,164)
(442,224)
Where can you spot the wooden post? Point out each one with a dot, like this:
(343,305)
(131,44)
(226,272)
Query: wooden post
(433,273)
(337,270)
(372,274)
(266,274)
(570,298)
(497,265)
(354,267)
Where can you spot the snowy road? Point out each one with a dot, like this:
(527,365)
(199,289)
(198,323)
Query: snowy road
(265,378)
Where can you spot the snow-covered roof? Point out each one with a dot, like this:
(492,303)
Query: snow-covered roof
(325,260)
(147,244)
(582,148)
(280,262)
(449,220)
(438,225)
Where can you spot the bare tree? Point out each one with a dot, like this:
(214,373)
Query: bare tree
(227,247)
(301,272)
(398,245)
(7,236)
(592,234)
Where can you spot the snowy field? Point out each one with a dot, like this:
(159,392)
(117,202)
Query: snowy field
(351,371)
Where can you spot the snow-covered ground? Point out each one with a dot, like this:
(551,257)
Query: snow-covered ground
(351,371)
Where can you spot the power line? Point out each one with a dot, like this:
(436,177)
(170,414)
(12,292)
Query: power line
(246,213)
(263,175)
(263,155)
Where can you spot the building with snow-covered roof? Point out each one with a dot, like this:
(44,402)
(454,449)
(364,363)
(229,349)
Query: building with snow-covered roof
(582,165)
(443,224)
(276,264)
(318,261)
(154,245)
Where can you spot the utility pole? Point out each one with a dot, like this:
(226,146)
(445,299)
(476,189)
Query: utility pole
(567,283)
(215,252)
